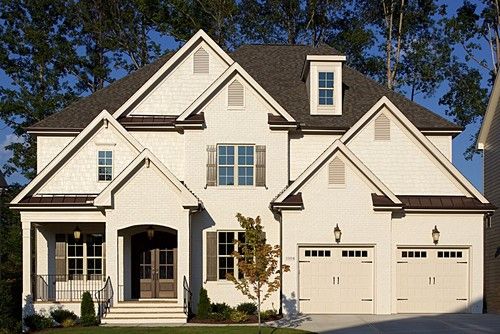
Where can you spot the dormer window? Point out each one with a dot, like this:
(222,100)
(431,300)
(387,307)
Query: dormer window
(325,85)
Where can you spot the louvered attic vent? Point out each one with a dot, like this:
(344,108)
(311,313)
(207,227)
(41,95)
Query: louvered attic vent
(382,128)
(235,95)
(200,62)
(336,173)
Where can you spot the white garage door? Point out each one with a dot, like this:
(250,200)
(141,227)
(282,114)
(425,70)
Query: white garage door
(336,280)
(432,280)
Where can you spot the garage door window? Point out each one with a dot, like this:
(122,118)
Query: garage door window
(414,254)
(317,253)
(449,254)
(354,253)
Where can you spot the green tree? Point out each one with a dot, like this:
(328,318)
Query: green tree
(258,263)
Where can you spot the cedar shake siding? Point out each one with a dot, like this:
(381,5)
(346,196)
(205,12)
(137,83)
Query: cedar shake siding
(492,234)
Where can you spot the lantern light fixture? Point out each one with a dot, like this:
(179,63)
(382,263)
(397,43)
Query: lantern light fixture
(151,232)
(77,233)
(338,233)
(435,235)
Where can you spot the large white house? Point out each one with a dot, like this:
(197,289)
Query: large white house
(138,186)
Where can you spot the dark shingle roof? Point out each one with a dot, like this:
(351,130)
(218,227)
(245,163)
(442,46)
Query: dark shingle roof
(277,68)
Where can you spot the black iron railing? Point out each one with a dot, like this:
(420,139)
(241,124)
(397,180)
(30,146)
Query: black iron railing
(65,288)
(104,298)
(187,297)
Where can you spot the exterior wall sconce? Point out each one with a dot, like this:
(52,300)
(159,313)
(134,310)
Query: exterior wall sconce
(338,233)
(77,233)
(151,232)
(435,235)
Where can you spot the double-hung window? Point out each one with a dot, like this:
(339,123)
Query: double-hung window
(105,165)
(75,257)
(236,165)
(85,256)
(325,88)
(226,247)
(94,254)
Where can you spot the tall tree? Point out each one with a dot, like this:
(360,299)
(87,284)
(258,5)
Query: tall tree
(33,48)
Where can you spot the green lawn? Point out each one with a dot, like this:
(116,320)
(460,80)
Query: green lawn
(173,330)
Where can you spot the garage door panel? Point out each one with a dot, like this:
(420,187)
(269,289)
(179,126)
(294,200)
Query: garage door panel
(432,280)
(342,280)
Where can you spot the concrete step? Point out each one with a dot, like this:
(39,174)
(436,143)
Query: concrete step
(149,321)
(156,315)
(156,309)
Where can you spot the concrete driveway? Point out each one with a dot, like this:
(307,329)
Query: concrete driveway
(396,324)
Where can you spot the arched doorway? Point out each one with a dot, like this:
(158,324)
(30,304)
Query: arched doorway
(154,265)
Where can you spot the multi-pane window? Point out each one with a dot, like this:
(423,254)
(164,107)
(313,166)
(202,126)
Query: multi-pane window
(94,253)
(325,86)
(85,256)
(105,165)
(75,256)
(226,262)
(236,165)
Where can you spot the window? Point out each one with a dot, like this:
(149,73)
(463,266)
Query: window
(325,91)
(414,254)
(318,253)
(449,254)
(105,165)
(85,256)
(235,95)
(236,160)
(354,253)
(226,263)
(200,62)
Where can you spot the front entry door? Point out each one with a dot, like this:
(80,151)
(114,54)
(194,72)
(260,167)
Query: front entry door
(157,267)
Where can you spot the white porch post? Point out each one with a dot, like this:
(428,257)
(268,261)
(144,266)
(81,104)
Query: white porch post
(120,281)
(112,259)
(183,258)
(26,226)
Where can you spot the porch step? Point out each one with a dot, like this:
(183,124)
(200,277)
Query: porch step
(145,313)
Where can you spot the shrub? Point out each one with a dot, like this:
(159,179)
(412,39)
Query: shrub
(60,314)
(238,316)
(268,315)
(220,311)
(68,323)
(247,308)
(203,304)
(37,322)
(87,309)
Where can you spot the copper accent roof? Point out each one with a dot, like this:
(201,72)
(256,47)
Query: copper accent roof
(432,202)
(292,200)
(59,200)
(134,121)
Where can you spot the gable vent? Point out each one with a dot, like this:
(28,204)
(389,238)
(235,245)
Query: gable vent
(200,62)
(235,94)
(382,128)
(336,173)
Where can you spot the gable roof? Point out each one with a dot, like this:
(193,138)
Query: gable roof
(492,110)
(423,140)
(227,76)
(277,68)
(71,148)
(336,146)
(104,199)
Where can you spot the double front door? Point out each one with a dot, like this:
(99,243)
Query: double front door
(156,267)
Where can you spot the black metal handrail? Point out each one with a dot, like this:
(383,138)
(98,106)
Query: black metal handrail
(64,287)
(104,298)
(187,298)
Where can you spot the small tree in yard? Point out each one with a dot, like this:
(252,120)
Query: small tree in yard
(258,264)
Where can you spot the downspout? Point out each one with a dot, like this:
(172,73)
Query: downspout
(281,262)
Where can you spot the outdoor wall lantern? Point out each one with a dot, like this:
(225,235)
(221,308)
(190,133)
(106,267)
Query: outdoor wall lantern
(151,232)
(435,235)
(337,232)
(77,233)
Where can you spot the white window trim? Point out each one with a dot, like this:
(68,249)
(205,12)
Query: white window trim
(112,164)
(235,173)
(85,275)
(236,269)
(326,106)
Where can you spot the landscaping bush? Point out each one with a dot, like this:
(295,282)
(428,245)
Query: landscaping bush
(37,322)
(238,316)
(88,317)
(268,315)
(220,311)
(203,305)
(60,314)
(247,308)
(68,323)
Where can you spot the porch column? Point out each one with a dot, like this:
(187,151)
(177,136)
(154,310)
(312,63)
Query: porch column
(112,259)
(183,258)
(27,247)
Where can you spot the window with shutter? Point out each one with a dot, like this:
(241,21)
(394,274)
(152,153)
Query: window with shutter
(235,95)
(200,62)
(336,173)
(60,257)
(211,256)
(382,128)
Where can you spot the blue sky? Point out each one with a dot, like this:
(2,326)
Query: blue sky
(472,169)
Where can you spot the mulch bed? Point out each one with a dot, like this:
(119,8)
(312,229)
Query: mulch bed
(252,319)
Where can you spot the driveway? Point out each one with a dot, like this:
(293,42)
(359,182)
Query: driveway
(396,323)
